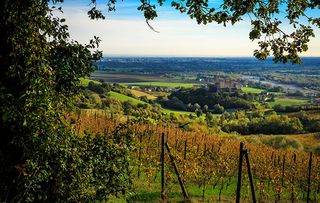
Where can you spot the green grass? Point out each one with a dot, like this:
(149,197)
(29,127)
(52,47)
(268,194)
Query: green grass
(252,90)
(258,91)
(168,111)
(123,98)
(149,190)
(287,101)
(277,93)
(161,84)
(187,113)
(85,81)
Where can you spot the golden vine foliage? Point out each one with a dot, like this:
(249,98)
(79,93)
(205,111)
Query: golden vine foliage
(210,159)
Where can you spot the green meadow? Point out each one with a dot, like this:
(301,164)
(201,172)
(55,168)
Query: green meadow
(287,101)
(161,84)
(123,98)
(252,90)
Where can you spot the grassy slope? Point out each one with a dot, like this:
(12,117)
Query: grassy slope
(161,84)
(123,98)
(85,81)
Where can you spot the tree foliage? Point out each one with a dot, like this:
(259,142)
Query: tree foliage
(42,159)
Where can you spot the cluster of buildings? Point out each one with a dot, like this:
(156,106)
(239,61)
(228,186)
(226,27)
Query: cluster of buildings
(222,84)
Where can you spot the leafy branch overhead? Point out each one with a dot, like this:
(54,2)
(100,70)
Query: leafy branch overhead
(269,21)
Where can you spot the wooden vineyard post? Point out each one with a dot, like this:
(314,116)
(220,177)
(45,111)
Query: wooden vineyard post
(309,177)
(159,141)
(239,173)
(139,154)
(283,166)
(250,177)
(185,150)
(183,188)
(176,145)
(244,152)
(292,182)
(162,167)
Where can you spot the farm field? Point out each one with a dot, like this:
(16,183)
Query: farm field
(124,77)
(288,101)
(258,91)
(160,84)
(252,90)
(138,93)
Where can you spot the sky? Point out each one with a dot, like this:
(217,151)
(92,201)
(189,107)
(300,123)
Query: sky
(125,32)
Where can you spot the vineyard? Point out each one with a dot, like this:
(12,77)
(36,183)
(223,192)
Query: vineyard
(210,162)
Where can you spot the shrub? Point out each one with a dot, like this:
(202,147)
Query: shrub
(316,149)
(281,142)
(78,169)
(97,88)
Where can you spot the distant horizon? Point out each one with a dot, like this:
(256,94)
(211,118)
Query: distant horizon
(191,56)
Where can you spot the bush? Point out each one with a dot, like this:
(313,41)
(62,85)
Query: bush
(281,142)
(313,126)
(95,100)
(77,169)
(253,139)
(97,88)
(218,109)
(316,149)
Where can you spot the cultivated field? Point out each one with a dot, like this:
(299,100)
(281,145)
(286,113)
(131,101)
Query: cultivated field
(161,84)
(288,101)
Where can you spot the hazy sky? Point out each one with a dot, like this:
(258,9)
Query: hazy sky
(125,32)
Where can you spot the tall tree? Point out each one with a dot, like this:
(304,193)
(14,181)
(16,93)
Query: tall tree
(42,159)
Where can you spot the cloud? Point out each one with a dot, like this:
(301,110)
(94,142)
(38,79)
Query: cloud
(178,36)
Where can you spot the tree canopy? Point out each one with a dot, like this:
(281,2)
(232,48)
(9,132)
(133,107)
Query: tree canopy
(42,159)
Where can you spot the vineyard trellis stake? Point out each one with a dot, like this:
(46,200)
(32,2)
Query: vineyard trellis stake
(162,167)
(309,177)
(292,179)
(183,188)
(244,154)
